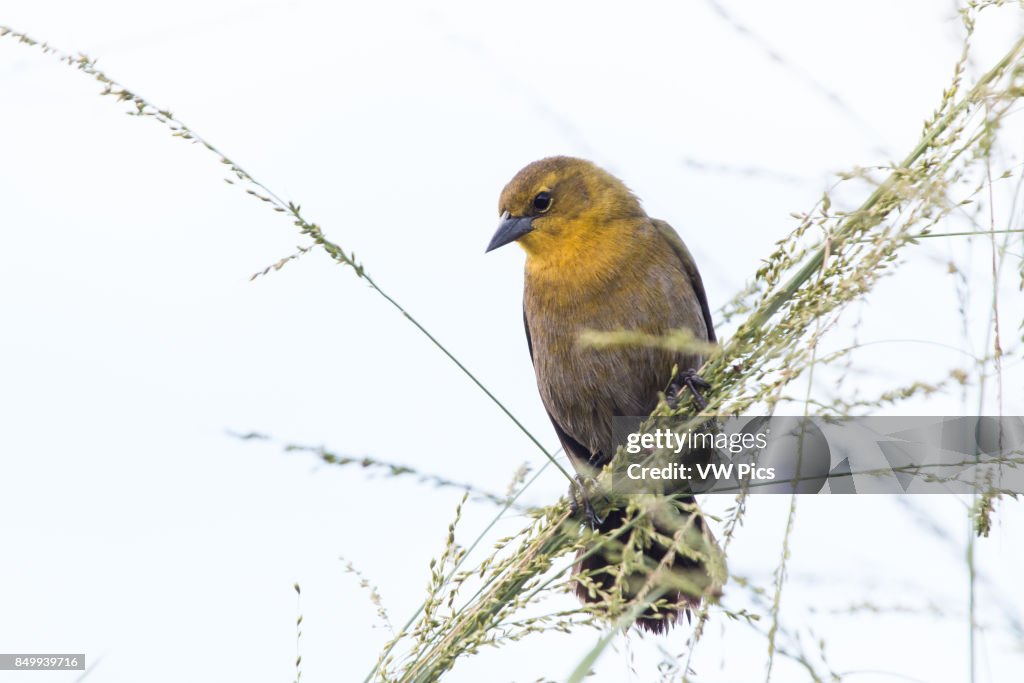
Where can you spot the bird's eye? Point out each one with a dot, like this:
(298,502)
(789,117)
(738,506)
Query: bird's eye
(542,202)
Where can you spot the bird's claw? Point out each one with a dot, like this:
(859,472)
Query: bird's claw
(691,380)
(579,499)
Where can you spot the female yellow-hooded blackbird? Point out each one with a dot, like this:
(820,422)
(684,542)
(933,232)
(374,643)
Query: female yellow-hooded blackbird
(596,261)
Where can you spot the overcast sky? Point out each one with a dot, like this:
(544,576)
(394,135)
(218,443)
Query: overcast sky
(132,342)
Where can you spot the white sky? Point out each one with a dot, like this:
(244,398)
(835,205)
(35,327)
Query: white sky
(131,339)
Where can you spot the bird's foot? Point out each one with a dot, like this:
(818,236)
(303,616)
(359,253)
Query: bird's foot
(688,379)
(579,499)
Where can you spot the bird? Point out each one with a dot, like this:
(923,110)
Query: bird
(596,261)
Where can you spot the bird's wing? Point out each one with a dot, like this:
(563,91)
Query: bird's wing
(690,268)
(579,454)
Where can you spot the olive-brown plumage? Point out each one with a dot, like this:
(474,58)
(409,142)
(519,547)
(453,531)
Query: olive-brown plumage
(597,261)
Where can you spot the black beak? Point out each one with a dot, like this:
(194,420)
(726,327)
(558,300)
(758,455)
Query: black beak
(510,229)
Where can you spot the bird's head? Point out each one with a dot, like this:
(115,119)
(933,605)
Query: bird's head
(558,206)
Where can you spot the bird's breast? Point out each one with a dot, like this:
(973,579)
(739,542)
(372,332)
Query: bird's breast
(584,387)
(644,288)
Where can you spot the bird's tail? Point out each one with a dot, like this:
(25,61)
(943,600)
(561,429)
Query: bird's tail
(668,549)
